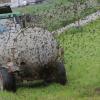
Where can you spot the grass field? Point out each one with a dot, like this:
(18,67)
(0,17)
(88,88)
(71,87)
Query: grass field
(82,61)
(55,14)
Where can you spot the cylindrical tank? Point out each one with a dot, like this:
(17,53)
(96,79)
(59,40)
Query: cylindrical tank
(33,47)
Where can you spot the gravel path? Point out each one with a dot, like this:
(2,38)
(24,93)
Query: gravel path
(81,22)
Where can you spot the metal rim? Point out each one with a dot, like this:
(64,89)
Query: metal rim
(1,82)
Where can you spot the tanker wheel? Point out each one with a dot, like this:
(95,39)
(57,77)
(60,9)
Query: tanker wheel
(7,80)
(55,73)
(60,73)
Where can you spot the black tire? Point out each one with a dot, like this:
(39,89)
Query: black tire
(7,80)
(46,75)
(60,73)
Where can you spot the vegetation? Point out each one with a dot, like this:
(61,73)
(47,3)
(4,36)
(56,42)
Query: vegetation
(82,61)
(81,57)
(54,14)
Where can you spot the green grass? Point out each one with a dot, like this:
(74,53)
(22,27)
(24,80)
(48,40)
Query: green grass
(38,8)
(55,14)
(82,62)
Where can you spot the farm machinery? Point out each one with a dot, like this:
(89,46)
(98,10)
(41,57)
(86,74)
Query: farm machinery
(29,53)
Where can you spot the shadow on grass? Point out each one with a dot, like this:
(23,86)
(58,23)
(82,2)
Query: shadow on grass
(37,84)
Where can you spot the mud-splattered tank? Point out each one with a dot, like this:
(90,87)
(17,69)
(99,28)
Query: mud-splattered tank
(34,47)
(27,54)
